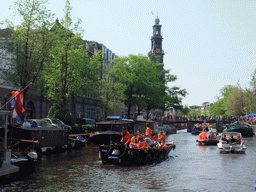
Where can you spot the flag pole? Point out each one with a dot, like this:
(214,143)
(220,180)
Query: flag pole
(16,95)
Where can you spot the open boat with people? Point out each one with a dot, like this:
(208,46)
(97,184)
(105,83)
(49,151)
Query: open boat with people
(231,142)
(119,154)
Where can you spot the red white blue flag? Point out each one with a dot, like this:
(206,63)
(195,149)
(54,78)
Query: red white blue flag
(242,143)
(17,102)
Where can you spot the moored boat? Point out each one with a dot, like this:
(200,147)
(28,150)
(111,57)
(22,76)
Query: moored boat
(245,130)
(118,154)
(24,161)
(231,142)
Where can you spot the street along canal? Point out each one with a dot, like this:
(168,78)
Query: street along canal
(189,168)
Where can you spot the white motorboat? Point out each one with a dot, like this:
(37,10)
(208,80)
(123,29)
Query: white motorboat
(231,142)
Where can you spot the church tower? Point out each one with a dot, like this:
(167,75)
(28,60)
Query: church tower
(156,41)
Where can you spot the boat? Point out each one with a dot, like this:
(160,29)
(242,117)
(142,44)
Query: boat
(207,142)
(77,140)
(110,131)
(24,161)
(118,154)
(245,129)
(231,147)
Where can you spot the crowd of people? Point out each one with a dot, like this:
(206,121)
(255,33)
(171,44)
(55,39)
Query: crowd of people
(143,141)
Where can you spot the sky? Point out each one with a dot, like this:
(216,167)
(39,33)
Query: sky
(208,44)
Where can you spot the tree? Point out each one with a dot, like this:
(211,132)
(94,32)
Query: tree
(219,107)
(235,103)
(29,42)
(250,101)
(111,94)
(145,82)
(69,69)
(142,81)
(174,97)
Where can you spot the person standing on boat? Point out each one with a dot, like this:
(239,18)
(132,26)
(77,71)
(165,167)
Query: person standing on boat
(126,137)
(148,131)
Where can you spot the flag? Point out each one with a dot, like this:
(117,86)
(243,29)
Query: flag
(17,102)
(242,143)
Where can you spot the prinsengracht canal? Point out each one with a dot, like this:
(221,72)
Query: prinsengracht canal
(189,168)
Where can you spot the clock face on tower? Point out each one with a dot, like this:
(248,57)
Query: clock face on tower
(157,50)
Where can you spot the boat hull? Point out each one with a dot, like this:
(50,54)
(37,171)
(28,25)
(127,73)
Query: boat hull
(226,148)
(133,155)
(208,142)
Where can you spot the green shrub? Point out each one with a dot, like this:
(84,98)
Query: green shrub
(57,111)
(86,129)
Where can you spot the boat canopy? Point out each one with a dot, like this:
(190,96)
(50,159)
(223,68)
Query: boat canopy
(114,118)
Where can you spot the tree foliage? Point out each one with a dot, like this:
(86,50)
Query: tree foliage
(69,69)
(235,103)
(58,111)
(219,107)
(145,82)
(111,94)
(29,42)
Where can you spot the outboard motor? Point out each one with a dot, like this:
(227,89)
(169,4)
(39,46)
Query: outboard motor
(116,152)
(33,155)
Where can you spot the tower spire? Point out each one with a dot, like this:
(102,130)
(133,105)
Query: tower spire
(156,41)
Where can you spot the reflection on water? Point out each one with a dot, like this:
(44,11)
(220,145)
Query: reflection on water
(190,167)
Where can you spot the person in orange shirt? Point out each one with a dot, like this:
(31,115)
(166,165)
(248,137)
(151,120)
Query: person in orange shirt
(140,135)
(202,135)
(126,137)
(142,144)
(134,141)
(162,136)
(148,131)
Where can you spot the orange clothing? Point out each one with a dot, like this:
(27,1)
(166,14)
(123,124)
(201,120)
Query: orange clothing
(162,136)
(142,145)
(154,138)
(202,135)
(126,138)
(148,132)
(163,145)
(140,135)
(134,139)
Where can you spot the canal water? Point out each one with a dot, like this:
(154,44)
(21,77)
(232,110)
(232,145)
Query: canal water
(189,168)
